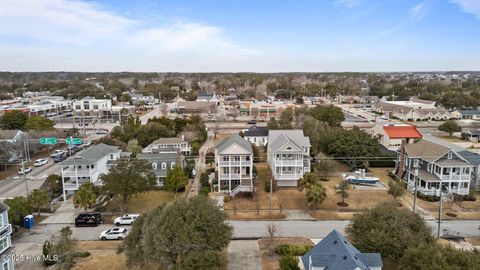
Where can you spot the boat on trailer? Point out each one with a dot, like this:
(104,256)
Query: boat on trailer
(359,178)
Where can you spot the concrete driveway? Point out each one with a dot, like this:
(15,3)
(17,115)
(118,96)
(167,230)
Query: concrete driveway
(244,255)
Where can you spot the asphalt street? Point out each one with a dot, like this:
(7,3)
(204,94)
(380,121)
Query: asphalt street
(249,229)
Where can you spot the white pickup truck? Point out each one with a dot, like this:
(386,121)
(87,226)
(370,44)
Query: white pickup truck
(57,153)
(127,219)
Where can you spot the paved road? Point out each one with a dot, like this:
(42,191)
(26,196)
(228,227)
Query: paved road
(250,229)
(15,186)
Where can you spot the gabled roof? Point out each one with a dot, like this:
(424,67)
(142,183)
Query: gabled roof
(399,132)
(92,154)
(279,137)
(255,131)
(335,252)
(159,158)
(419,100)
(167,141)
(471,157)
(3,207)
(469,112)
(234,139)
(427,150)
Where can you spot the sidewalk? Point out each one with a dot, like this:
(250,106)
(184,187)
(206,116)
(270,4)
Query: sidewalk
(244,255)
(65,214)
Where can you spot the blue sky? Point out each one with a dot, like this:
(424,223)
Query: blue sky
(239,35)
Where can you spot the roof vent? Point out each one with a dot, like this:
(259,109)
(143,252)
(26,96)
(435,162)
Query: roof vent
(334,242)
(344,257)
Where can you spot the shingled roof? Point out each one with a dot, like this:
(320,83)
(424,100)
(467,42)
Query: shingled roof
(427,150)
(335,252)
(234,139)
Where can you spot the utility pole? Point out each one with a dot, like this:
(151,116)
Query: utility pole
(439,213)
(415,179)
(23,166)
(271,193)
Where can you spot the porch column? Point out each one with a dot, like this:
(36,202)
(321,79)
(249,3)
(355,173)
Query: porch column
(229,174)
(76,176)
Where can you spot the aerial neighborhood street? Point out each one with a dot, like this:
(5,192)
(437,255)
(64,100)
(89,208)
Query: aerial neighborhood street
(239,135)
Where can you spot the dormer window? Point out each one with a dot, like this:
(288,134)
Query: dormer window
(450,155)
(172,165)
(154,165)
(164,165)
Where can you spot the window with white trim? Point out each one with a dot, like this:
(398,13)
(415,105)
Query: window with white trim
(172,165)
(5,266)
(450,155)
(3,244)
(154,165)
(164,165)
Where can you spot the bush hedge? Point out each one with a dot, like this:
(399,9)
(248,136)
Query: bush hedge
(293,250)
(289,263)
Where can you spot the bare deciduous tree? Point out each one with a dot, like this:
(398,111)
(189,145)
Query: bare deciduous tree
(235,206)
(281,201)
(272,230)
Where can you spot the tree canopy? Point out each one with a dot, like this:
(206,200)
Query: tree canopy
(85,196)
(129,177)
(388,230)
(37,199)
(38,122)
(330,114)
(175,179)
(13,120)
(450,127)
(188,234)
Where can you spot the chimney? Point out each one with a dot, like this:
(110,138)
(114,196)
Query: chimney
(183,138)
(401,160)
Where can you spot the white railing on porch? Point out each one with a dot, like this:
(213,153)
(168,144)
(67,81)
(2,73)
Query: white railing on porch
(240,188)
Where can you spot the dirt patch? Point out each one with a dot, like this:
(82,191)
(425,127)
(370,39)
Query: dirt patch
(143,202)
(475,241)
(267,250)
(97,245)
(329,215)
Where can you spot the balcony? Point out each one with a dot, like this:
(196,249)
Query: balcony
(294,162)
(72,185)
(287,176)
(464,177)
(6,230)
(226,176)
(243,163)
(78,173)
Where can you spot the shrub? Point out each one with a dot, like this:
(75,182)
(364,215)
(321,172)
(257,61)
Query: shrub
(267,186)
(204,190)
(428,198)
(227,198)
(47,251)
(293,250)
(82,254)
(289,263)
(381,163)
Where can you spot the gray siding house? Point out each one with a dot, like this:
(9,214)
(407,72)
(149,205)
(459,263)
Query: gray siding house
(6,249)
(161,163)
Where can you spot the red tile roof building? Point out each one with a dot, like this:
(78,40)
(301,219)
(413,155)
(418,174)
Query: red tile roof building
(394,134)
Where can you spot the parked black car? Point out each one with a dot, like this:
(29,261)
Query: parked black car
(88,219)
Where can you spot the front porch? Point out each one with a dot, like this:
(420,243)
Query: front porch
(234,186)
(431,188)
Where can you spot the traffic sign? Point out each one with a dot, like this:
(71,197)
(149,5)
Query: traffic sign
(48,140)
(73,141)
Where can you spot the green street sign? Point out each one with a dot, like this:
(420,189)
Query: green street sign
(73,141)
(48,140)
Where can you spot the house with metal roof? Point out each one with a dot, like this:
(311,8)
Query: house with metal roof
(256,135)
(434,167)
(161,162)
(6,249)
(87,166)
(336,252)
(393,135)
(288,154)
(234,165)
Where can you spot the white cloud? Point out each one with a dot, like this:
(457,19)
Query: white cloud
(348,3)
(418,11)
(469,6)
(77,24)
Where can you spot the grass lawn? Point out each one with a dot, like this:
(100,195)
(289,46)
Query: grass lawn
(359,199)
(142,202)
(463,210)
(267,254)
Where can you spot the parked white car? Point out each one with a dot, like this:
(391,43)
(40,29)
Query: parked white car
(57,153)
(22,172)
(113,234)
(40,162)
(102,131)
(127,219)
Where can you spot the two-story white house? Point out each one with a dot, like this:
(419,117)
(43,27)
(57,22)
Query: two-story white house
(169,145)
(87,166)
(288,155)
(234,165)
(433,166)
(6,249)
